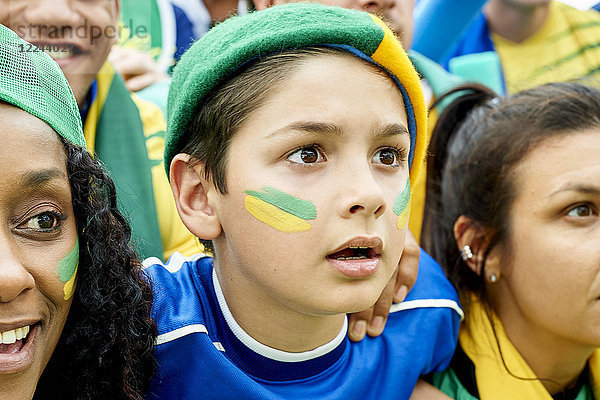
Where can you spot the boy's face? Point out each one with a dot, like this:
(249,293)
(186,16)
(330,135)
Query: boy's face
(316,170)
(78,34)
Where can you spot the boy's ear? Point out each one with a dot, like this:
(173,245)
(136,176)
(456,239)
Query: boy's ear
(469,233)
(193,194)
(262,4)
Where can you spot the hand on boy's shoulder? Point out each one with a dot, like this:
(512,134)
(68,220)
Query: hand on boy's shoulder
(372,321)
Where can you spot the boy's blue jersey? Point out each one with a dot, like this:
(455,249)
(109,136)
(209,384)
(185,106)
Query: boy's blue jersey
(203,354)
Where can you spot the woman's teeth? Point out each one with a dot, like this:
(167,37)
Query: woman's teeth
(10,337)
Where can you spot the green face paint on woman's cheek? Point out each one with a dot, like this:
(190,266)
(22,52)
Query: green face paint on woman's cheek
(402,206)
(67,270)
(280,210)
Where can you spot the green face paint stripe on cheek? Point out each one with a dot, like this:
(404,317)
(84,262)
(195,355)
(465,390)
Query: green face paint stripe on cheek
(304,209)
(68,265)
(403,199)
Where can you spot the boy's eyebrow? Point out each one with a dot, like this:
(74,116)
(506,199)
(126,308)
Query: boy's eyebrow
(392,130)
(573,187)
(332,129)
(311,127)
(40,177)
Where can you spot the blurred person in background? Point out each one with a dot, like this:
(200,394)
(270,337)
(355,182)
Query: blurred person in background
(536,41)
(125,132)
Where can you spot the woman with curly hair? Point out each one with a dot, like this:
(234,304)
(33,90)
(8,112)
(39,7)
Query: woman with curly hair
(74,304)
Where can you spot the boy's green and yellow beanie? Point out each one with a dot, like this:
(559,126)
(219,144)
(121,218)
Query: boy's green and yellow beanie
(217,55)
(32,81)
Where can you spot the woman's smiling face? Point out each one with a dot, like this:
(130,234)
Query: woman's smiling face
(38,243)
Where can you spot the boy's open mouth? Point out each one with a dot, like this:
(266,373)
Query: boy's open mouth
(14,340)
(353,253)
(357,258)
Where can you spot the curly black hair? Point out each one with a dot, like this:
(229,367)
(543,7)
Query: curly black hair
(105,351)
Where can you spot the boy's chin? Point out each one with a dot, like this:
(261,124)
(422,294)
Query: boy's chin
(353,303)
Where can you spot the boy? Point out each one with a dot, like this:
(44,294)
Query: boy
(291,135)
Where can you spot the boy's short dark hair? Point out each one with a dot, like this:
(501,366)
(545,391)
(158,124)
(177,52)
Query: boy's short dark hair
(228,106)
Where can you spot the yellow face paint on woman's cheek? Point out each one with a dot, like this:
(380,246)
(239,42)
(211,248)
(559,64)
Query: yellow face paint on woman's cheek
(67,271)
(402,206)
(280,210)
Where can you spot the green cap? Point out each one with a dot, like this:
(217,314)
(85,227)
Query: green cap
(32,81)
(215,57)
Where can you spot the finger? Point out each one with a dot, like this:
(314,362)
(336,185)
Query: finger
(142,81)
(357,324)
(400,294)
(381,309)
(408,268)
(132,66)
(121,59)
(132,62)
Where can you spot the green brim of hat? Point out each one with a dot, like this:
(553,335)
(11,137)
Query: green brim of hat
(32,81)
(217,55)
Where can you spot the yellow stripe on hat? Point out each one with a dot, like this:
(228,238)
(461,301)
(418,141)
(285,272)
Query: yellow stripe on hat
(390,55)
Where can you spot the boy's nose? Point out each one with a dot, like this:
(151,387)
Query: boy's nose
(360,194)
(14,278)
(375,6)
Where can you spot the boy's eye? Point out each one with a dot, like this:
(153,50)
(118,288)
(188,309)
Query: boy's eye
(388,156)
(582,210)
(46,221)
(307,155)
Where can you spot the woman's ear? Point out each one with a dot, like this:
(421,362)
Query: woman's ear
(193,196)
(472,242)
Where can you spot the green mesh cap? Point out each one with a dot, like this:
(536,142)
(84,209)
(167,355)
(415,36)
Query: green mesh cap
(214,57)
(32,81)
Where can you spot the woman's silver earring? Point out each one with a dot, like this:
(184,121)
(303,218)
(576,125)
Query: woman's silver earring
(466,253)
(493,278)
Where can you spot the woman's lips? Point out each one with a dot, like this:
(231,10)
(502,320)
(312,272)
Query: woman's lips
(17,356)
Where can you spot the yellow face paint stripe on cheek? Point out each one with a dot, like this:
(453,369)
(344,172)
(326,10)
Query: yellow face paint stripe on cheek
(67,271)
(403,218)
(273,216)
(69,287)
(402,206)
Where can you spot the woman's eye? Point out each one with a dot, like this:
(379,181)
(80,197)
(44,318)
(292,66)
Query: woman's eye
(388,156)
(307,155)
(582,210)
(43,222)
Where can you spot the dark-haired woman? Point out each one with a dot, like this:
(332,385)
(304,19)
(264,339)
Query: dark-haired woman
(512,215)
(74,305)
